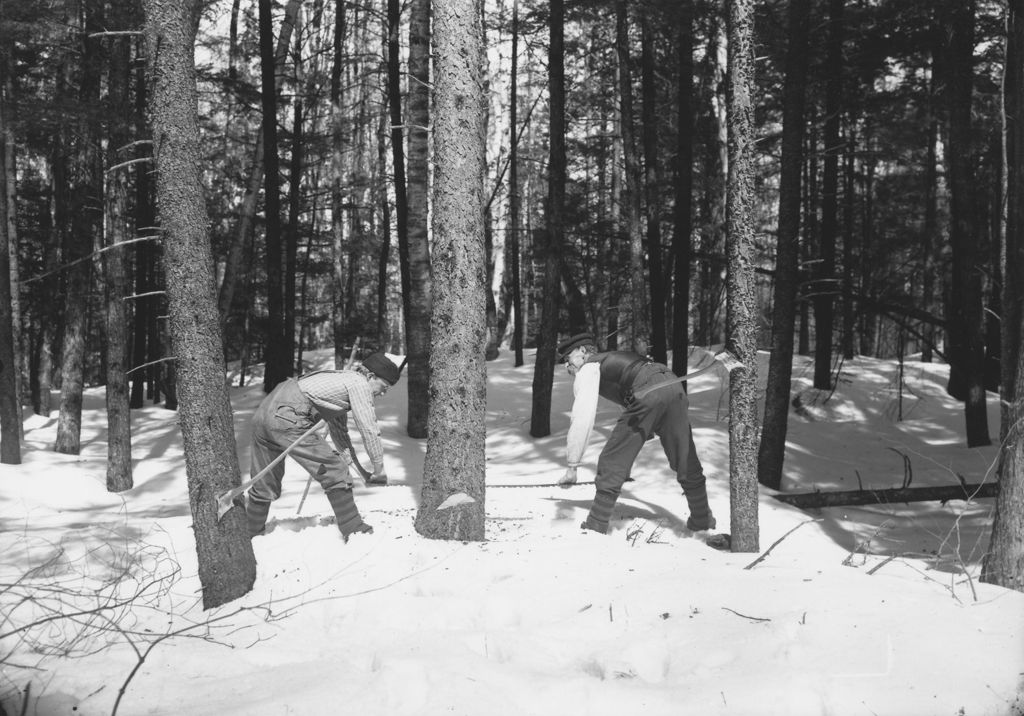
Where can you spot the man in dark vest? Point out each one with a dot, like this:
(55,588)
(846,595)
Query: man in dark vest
(661,411)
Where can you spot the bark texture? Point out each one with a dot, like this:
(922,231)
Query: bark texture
(1004,562)
(227,567)
(452,500)
(741,308)
(772,450)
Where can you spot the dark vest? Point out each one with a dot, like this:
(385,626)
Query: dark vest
(618,371)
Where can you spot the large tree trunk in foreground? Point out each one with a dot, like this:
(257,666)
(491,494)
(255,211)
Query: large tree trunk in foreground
(741,311)
(452,500)
(227,567)
(1004,562)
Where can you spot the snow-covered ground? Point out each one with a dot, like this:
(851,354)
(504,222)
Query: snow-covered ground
(540,618)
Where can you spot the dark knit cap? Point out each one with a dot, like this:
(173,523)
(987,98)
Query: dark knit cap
(382,367)
(580,339)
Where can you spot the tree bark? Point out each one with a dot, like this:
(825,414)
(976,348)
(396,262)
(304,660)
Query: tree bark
(452,498)
(227,566)
(84,231)
(145,254)
(398,151)
(277,361)
(417,317)
(714,140)
(741,309)
(1004,561)
(824,301)
(10,418)
(554,235)
(514,199)
(772,450)
(339,143)
(291,253)
(681,240)
(655,272)
(638,338)
(21,352)
(967,379)
(119,418)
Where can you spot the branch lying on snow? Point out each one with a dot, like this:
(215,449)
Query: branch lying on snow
(846,498)
(776,543)
(753,619)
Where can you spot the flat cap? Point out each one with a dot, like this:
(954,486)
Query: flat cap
(580,339)
(382,367)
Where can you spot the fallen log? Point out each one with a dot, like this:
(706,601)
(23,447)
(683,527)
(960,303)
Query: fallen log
(847,498)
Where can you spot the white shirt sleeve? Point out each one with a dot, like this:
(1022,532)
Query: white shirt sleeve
(585,390)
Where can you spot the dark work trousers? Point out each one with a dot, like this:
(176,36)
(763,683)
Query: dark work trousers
(280,420)
(662,412)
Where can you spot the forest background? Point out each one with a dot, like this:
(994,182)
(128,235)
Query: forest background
(880,207)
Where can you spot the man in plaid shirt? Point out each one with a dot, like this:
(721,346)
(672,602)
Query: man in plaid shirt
(295,406)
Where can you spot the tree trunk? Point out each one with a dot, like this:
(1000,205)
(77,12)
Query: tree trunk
(452,498)
(929,239)
(339,144)
(1004,561)
(42,374)
(810,230)
(681,238)
(295,169)
(21,353)
(655,272)
(233,266)
(741,310)
(10,418)
(554,235)
(638,338)
(771,454)
(825,288)
(868,318)
(227,566)
(967,380)
(119,418)
(144,304)
(513,195)
(849,189)
(381,193)
(85,227)
(398,152)
(276,358)
(417,316)
(713,138)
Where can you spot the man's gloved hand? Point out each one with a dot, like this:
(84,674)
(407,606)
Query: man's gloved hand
(569,478)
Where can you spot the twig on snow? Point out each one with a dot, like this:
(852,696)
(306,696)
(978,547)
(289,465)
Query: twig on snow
(775,544)
(753,619)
